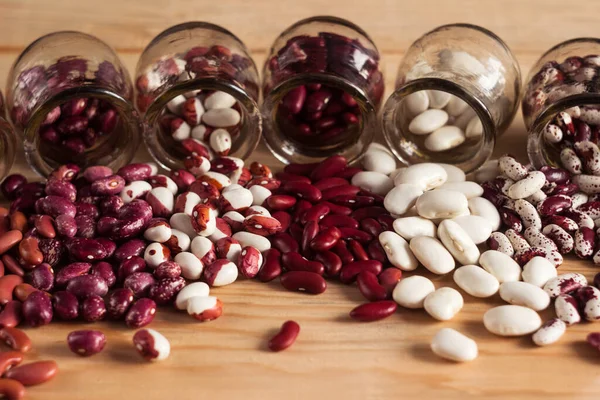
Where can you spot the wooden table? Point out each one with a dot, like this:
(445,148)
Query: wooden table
(334,357)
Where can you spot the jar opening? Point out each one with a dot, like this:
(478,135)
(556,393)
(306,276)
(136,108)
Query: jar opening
(208,117)
(434,120)
(86,126)
(312,116)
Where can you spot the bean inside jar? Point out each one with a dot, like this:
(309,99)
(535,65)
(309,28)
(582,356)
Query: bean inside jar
(322,87)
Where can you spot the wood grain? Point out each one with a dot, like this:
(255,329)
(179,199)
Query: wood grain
(334,357)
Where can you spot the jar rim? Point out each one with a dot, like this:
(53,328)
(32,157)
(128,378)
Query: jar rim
(583,39)
(31,137)
(535,148)
(488,141)
(249,105)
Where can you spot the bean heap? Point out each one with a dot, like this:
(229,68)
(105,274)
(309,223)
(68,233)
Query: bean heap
(445,120)
(315,109)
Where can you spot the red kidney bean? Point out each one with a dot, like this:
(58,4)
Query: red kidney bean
(130,266)
(358,250)
(335,209)
(9,239)
(285,176)
(340,221)
(311,230)
(11,315)
(293,261)
(280,202)
(594,340)
(7,285)
(86,343)
(331,262)
(350,271)
(356,234)
(339,191)
(303,281)
(45,226)
(92,308)
(164,291)
(372,226)
(18,221)
(342,251)
(374,311)
(16,339)
(328,168)
(11,186)
(141,313)
(37,309)
(300,169)
(12,265)
(87,285)
(302,190)
(376,251)
(285,337)
(104,270)
(349,172)
(33,373)
(9,359)
(69,272)
(66,305)
(296,231)
(284,242)
(271,268)
(325,239)
(328,183)
(315,213)
(284,219)
(369,212)
(118,302)
(22,291)
(369,286)
(301,207)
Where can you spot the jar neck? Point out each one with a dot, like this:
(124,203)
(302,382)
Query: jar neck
(114,153)
(538,150)
(287,150)
(7,147)
(409,152)
(242,147)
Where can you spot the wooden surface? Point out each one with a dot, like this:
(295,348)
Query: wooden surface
(334,357)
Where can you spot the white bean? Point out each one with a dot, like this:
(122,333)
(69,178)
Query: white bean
(456,106)
(550,332)
(458,242)
(401,198)
(476,281)
(503,267)
(196,289)
(432,254)
(219,100)
(411,227)
(251,239)
(478,228)
(442,204)
(538,271)
(527,186)
(417,102)
(438,98)
(379,161)
(444,303)
(445,138)
(411,292)
(484,208)
(511,320)
(221,117)
(398,251)
(469,189)
(455,174)
(474,128)
(524,294)
(374,182)
(428,121)
(426,176)
(191,266)
(453,345)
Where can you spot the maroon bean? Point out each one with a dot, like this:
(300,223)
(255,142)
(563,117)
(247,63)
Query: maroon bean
(139,283)
(315,213)
(285,176)
(167,269)
(86,342)
(66,172)
(524,256)
(182,178)
(165,290)
(342,251)
(358,250)
(108,245)
(331,262)
(284,242)
(110,205)
(66,305)
(284,218)
(45,226)
(302,190)
(386,221)
(329,167)
(511,219)
(335,209)
(86,226)
(285,337)
(118,302)
(372,226)
(293,261)
(325,239)
(294,99)
(374,311)
(96,172)
(63,189)
(89,210)
(130,266)
(105,271)
(11,314)
(84,249)
(310,232)
(131,220)
(110,185)
(332,193)
(303,281)
(271,268)
(37,309)
(558,176)
(369,286)
(12,265)
(7,286)
(87,285)
(135,172)
(141,313)
(349,172)
(302,207)
(350,271)
(129,249)
(300,169)
(328,183)
(296,231)
(567,189)
(554,205)
(356,234)
(340,221)
(594,340)
(56,206)
(564,222)
(66,226)
(41,277)
(12,185)
(369,212)
(354,202)
(93,308)
(280,202)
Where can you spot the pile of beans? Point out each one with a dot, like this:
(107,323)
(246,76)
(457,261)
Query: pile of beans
(444,120)
(78,124)
(313,110)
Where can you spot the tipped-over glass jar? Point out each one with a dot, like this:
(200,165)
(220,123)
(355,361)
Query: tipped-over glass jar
(322,86)
(198,87)
(561,108)
(70,98)
(457,90)
(7,142)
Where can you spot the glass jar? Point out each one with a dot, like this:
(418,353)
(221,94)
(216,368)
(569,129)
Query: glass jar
(466,83)
(561,103)
(7,142)
(322,87)
(70,98)
(198,87)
